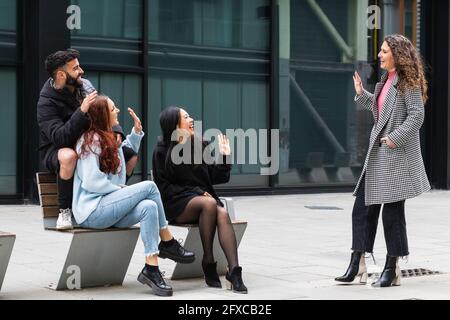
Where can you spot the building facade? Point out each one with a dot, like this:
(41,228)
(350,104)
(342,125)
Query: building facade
(253,65)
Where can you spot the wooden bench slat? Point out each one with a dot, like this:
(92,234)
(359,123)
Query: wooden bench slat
(48,200)
(48,188)
(45,177)
(50,212)
(82,230)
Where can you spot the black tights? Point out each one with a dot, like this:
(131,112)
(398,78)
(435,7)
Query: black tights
(205,211)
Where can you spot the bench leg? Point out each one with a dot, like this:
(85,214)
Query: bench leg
(97,259)
(194,243)
(6,246)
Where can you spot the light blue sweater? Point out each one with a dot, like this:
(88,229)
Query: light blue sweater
(90,184)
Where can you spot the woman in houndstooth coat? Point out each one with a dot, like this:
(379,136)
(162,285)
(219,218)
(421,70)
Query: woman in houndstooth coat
(393,170)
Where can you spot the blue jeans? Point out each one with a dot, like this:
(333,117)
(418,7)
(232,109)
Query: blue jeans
(138,203)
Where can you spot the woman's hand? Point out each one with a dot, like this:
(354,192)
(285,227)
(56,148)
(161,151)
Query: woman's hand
(358,83)
(224,145)
(389,142)
(137,121)
(206,194)
(119,139)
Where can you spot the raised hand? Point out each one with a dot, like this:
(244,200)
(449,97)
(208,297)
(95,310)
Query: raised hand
(137,121)
(88,101)
(358,83)
(224,145)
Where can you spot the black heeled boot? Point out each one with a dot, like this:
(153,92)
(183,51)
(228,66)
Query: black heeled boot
(357,268)
(391,274)
(234,280)
(211,277)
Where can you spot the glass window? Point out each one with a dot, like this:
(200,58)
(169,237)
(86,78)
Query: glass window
(323,134)
(8,15)
(110,31)
(220,23)
(225,88)
(8,128)
(8,21)
(408,12)
(110,18)
(220,104)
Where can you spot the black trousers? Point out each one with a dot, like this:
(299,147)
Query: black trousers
(365,222)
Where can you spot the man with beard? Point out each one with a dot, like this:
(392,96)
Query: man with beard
(62,117)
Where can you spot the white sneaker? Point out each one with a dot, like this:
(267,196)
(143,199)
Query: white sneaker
(64,221)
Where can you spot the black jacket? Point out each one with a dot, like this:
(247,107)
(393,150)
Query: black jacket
(60,120)
(179,184)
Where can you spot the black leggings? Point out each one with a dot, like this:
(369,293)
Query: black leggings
(205,211)
(365,222)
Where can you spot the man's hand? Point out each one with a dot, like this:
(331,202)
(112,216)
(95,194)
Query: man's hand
(137,121)
(88,101)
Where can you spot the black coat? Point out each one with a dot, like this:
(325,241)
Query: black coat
(179,184)
(61,122)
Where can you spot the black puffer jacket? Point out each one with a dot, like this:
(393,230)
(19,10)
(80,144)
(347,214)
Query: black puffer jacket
(60,120)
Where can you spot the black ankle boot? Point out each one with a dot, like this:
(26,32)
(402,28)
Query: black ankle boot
(173,250)
(234,280)
(357,268)
(391,274)
(155,281)
(211,277)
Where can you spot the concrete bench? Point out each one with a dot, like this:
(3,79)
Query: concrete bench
(95,257)
(6,245)
(194,243)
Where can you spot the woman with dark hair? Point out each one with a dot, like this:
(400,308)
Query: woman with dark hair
(101,200)
(393,170)
(188,194)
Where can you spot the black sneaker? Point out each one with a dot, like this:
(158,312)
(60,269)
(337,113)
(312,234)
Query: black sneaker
(175,252)
(155,281)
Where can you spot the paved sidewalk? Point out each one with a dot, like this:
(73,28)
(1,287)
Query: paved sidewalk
(288,252)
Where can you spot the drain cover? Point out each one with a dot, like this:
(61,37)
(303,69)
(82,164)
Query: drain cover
(418,272)
(408,273)
(323,208)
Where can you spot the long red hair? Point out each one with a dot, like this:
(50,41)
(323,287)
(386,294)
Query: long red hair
(100,132)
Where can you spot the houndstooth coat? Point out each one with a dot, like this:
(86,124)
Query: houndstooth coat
(394,174)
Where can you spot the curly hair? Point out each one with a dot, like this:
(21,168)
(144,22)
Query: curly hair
(58,59)
(408,64)
(100,133)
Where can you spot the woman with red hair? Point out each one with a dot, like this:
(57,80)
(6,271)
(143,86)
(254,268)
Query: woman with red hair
(101,200)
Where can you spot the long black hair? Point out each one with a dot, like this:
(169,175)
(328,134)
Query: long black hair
(169,119)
